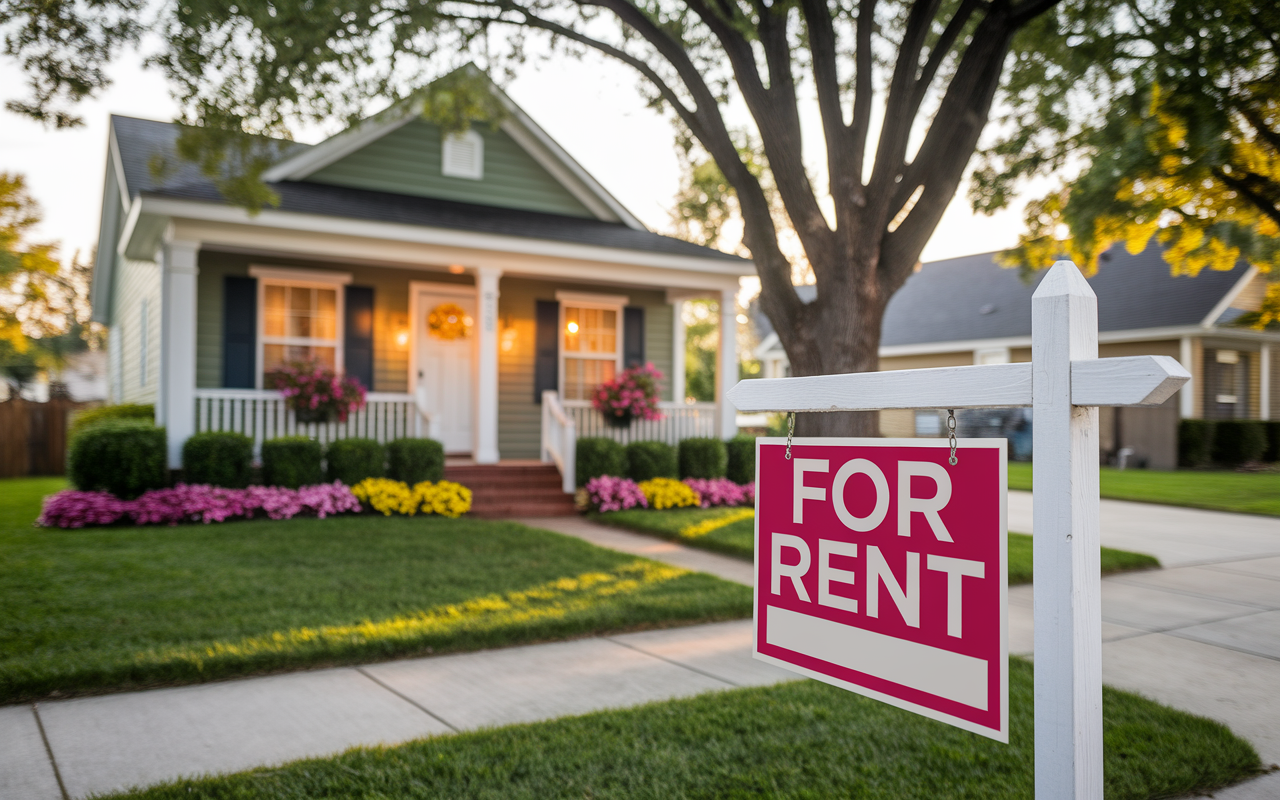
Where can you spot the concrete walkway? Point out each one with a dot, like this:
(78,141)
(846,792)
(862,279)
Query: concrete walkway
(1205,638)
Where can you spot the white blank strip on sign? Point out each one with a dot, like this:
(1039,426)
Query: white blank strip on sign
(938,672)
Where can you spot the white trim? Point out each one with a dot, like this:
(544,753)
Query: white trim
(336,147)
(594,300)
(1186,395)
(486,417)
(314,279)
(1264,383)
(294,222)
(315,276)
(1229,298)
(113,154)
(678,338)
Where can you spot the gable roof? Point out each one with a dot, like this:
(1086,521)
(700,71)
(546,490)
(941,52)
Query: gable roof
(138,141)
(973,298)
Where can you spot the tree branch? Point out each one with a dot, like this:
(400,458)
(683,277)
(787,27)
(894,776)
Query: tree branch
(1252,185)
(862,94)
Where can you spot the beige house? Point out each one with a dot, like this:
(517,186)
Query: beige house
(970,310)
(479,285)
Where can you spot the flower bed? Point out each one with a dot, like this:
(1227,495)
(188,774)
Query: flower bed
(608,493)
(200,503)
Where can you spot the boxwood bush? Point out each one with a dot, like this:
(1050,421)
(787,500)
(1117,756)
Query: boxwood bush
(144,412)
(703,458)
(353,460)
(218,458)
(741,451)
(1273,441)
(292,461)
(648,460)
(415,460)
(598,456)
(1195,443)
(1238,441)
(124,457)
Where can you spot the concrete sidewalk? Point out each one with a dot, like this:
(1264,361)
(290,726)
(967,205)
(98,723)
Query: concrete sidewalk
(1202,638)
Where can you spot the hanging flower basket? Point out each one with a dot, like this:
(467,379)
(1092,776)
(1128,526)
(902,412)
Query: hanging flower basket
(631,395)
(316,394)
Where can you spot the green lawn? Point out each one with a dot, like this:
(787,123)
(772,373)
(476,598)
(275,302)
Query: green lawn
(803,739)
(1246,492)
(112,608)
(736,537)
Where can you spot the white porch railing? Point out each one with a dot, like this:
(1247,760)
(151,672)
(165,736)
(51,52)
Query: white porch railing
(679,421)
(559,439)
(262,415)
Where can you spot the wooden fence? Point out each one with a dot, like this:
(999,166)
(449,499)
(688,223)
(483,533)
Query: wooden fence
(33,437)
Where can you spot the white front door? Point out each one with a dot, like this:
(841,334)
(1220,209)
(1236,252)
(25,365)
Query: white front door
(445,328)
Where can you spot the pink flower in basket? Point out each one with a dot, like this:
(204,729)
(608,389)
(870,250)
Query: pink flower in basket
(632,394)
(317,391)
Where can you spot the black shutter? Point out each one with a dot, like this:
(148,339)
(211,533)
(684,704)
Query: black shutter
(633,336)
(357,343)
(546,353)
(239,332)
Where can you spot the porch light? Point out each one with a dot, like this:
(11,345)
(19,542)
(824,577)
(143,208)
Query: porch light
(457,269)
(572,327)
(402,339)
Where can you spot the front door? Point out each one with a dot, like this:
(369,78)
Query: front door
(445,331)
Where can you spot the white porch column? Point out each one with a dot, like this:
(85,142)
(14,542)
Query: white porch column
(677,351)
(177,387)
(1264,387)
(1186,395)
(486,444)
(727,374)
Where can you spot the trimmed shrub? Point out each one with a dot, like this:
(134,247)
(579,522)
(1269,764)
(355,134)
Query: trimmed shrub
(96,416)
(353,460)
(415,460)
(703,458)
(598,456)
(1273,441)
(1238,441)
(292,461)
(1195,443)
(741,467)
(648,460)
(218,458)
(123,457)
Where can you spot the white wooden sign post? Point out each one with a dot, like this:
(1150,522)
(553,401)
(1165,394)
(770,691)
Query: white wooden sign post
(1064,384)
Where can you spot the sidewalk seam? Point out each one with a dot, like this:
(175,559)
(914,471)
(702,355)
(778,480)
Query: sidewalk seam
(411,701)
(53,762)
(1124,580)
(673,662)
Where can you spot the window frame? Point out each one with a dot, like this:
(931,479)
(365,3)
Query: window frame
(603,302)
(303,279)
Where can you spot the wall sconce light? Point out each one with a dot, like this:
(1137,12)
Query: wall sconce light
(402,339)
(508,340)
(457,269)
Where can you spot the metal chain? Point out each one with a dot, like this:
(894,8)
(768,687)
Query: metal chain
(951,435)
(791,429)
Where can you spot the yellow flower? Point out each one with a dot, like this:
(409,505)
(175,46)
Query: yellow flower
(668,493)
(709,525)
(395,497)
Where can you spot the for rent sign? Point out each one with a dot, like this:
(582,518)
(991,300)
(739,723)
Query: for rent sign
(881,568)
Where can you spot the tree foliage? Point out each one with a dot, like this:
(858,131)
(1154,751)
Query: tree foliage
(1172,107)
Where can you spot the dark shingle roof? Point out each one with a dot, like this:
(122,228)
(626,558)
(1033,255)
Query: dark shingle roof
(141,140)
(973,297)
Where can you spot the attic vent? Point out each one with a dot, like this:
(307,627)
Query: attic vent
(463,156)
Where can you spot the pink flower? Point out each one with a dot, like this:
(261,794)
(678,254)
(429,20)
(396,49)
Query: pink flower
(607,493)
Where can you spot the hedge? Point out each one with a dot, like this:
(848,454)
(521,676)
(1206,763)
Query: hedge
(124,457)
(218,458)
(95,416)
(353,460)
(703,458)
(1195,443)
(1273,441)
(1238,441)
(741,467)
(291,461)
(415,460)
(649,460)
(598,456)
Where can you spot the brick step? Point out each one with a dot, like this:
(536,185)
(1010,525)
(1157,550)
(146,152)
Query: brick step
(513,486)
(501,510)
(521,496)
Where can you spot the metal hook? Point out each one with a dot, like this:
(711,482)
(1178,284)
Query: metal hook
(791,429)
(951,435)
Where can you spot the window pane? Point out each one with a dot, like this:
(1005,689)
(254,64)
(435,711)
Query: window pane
(273,313)
(583,375)
(326,316)
(572,329)
(300,306)
(275,356)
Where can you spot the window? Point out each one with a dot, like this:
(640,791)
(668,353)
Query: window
(300,318)
(462,156)
(590,344)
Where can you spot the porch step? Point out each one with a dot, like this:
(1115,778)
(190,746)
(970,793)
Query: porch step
(513,490)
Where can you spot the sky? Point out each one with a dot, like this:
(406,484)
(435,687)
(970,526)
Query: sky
(591,107)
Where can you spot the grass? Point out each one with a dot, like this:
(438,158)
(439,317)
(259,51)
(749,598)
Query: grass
(731,532)
(1244,492)
(803,740)
(114,608)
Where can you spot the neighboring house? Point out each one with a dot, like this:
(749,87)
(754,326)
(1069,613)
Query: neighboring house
(972,311)
(552,285)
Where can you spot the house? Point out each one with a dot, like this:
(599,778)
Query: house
(479,285)
(971,310)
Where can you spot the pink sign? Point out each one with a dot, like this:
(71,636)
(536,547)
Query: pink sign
(882,569)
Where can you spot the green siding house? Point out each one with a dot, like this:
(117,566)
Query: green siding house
(479,286)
